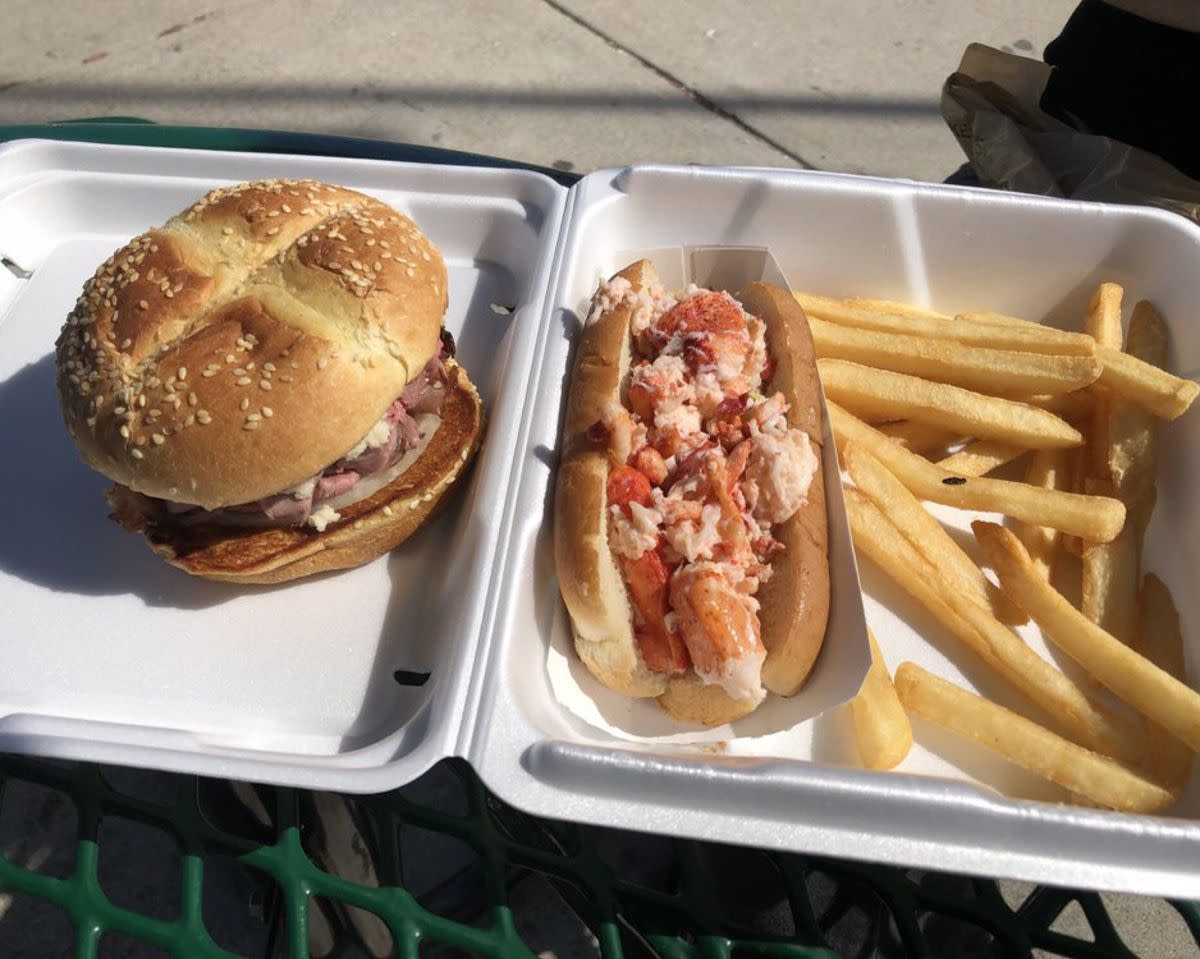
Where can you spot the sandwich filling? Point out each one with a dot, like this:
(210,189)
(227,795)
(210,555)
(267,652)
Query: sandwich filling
(703,467)
(384,453)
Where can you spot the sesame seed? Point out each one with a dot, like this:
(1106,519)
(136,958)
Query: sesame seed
(264,384)
(240,371)
(285,378)
(182,374)
(286,208)
(136,453)
(268,412)
(250,365)
(269,367)
(250,425)
(169,294)
(126,343)
(322,362)
(227,230)
(245,404)
(273,213)
(143,305)
(190,420)
(357,264)
(272,231)
(253,418)
(387,509)
(335,266)
(377,266)
(192,399)
(209,372)
(243,381)
(203,417)
(124,432)
(358,524)
(230,358)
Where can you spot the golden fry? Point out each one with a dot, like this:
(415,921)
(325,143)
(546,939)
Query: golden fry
(1131,429)
(1074,407)
(1103,320)
(1155,693)
(918,437)
(924,532)
(881,727)
(1097,518)
(980,457)
(1048,469)
(1161,642)
(1158,391)
(1024,337)
(1026,743)
(1110,574)
(976,368)
(997,646)
(894,308)
(897,395)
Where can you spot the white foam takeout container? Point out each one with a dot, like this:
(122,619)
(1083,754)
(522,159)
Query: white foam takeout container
(110,655)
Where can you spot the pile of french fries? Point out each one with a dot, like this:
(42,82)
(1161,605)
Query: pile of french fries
(923,406)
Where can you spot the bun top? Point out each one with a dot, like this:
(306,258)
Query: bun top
(249,342)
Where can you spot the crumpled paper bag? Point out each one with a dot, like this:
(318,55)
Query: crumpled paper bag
(991,104)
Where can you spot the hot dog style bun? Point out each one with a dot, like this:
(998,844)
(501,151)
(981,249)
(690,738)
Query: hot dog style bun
(720,559)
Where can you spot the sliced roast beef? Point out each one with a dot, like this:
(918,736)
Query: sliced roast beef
(423,394)
(330,485)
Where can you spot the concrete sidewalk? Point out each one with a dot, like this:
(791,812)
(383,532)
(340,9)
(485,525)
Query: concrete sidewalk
(850,86)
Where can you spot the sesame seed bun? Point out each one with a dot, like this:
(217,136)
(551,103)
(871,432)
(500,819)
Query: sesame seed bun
(249,342)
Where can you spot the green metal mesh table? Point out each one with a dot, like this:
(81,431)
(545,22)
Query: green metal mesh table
(330,875)
(701,901)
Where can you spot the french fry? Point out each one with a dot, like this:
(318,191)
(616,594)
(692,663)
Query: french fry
(895,308)
(1103,320)
(924,532)
(990,318)
(1153,692)
(1131,429)
(1026,743)
(1097,518)
(897,395)
(1163,394)
(980,457)
(918,437)
(1074,407)
(973,367)
(1103,324)
(1048,469)
(1079,465)
(1161,642)
(881,727)
(997,646)
(1024,337)
(1110,574)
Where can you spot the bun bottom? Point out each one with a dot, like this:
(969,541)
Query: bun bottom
(367,529)
(691,700)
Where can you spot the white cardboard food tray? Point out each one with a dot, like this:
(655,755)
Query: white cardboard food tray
(111,657)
